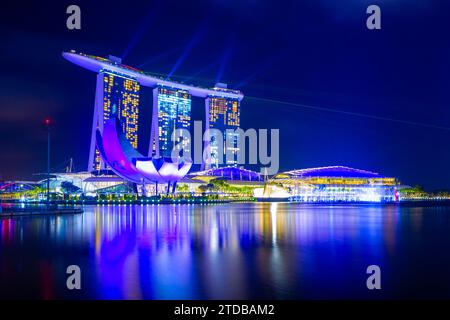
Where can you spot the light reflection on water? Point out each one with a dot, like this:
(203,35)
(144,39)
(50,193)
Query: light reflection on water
(228,251)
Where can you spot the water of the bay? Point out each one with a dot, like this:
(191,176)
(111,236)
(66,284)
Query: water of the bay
(229,251)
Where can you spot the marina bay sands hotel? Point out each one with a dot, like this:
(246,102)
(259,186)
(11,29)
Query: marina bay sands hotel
(118,94)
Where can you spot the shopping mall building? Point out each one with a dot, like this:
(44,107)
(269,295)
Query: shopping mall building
(330,184)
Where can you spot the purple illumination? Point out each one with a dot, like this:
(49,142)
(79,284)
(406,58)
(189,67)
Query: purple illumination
(130,165)
(112,153)
(231,173)
(334,171)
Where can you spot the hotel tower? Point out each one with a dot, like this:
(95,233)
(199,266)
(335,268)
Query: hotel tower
(222,113)
(171,110)
(116,95)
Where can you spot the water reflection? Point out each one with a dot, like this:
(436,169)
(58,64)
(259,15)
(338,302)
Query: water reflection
(228,251)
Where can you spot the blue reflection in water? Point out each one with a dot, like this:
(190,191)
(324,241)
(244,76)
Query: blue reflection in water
(228,251)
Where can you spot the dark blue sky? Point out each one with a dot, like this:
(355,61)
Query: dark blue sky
(316,53)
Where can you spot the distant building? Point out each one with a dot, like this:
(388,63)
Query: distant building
(230,174)
(11,190)
(331,184)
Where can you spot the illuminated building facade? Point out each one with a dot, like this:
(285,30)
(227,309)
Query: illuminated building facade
(171,111)
(116,96)
(228,174)
(223,114)
(331,184)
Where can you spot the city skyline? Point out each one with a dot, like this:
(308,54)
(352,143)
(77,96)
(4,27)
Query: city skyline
(228,158)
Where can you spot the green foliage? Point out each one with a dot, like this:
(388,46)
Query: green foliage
(203,188)
(221,185)
(68,187)
(35,192)
(414,190)
(182,188)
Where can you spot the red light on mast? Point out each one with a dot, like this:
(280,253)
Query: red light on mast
(48,122)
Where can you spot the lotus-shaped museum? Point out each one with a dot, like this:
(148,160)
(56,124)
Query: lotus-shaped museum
(129,164)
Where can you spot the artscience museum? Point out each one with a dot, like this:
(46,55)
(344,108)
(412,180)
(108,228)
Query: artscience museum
(117,152)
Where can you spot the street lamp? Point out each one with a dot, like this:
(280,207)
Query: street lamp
(48,125)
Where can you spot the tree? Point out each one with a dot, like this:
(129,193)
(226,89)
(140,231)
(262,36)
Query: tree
(183,188)
(68,187)
(203,188)
(219,184)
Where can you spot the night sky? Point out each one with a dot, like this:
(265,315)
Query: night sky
(377,100)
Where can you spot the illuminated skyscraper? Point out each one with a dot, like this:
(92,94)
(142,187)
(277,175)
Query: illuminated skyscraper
(223,113)
(171,110)
(116,95)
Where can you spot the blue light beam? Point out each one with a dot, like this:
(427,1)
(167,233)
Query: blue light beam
(207,67)
(194,40)
(160,56)
(264,67)
(224,61)
(143,26)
